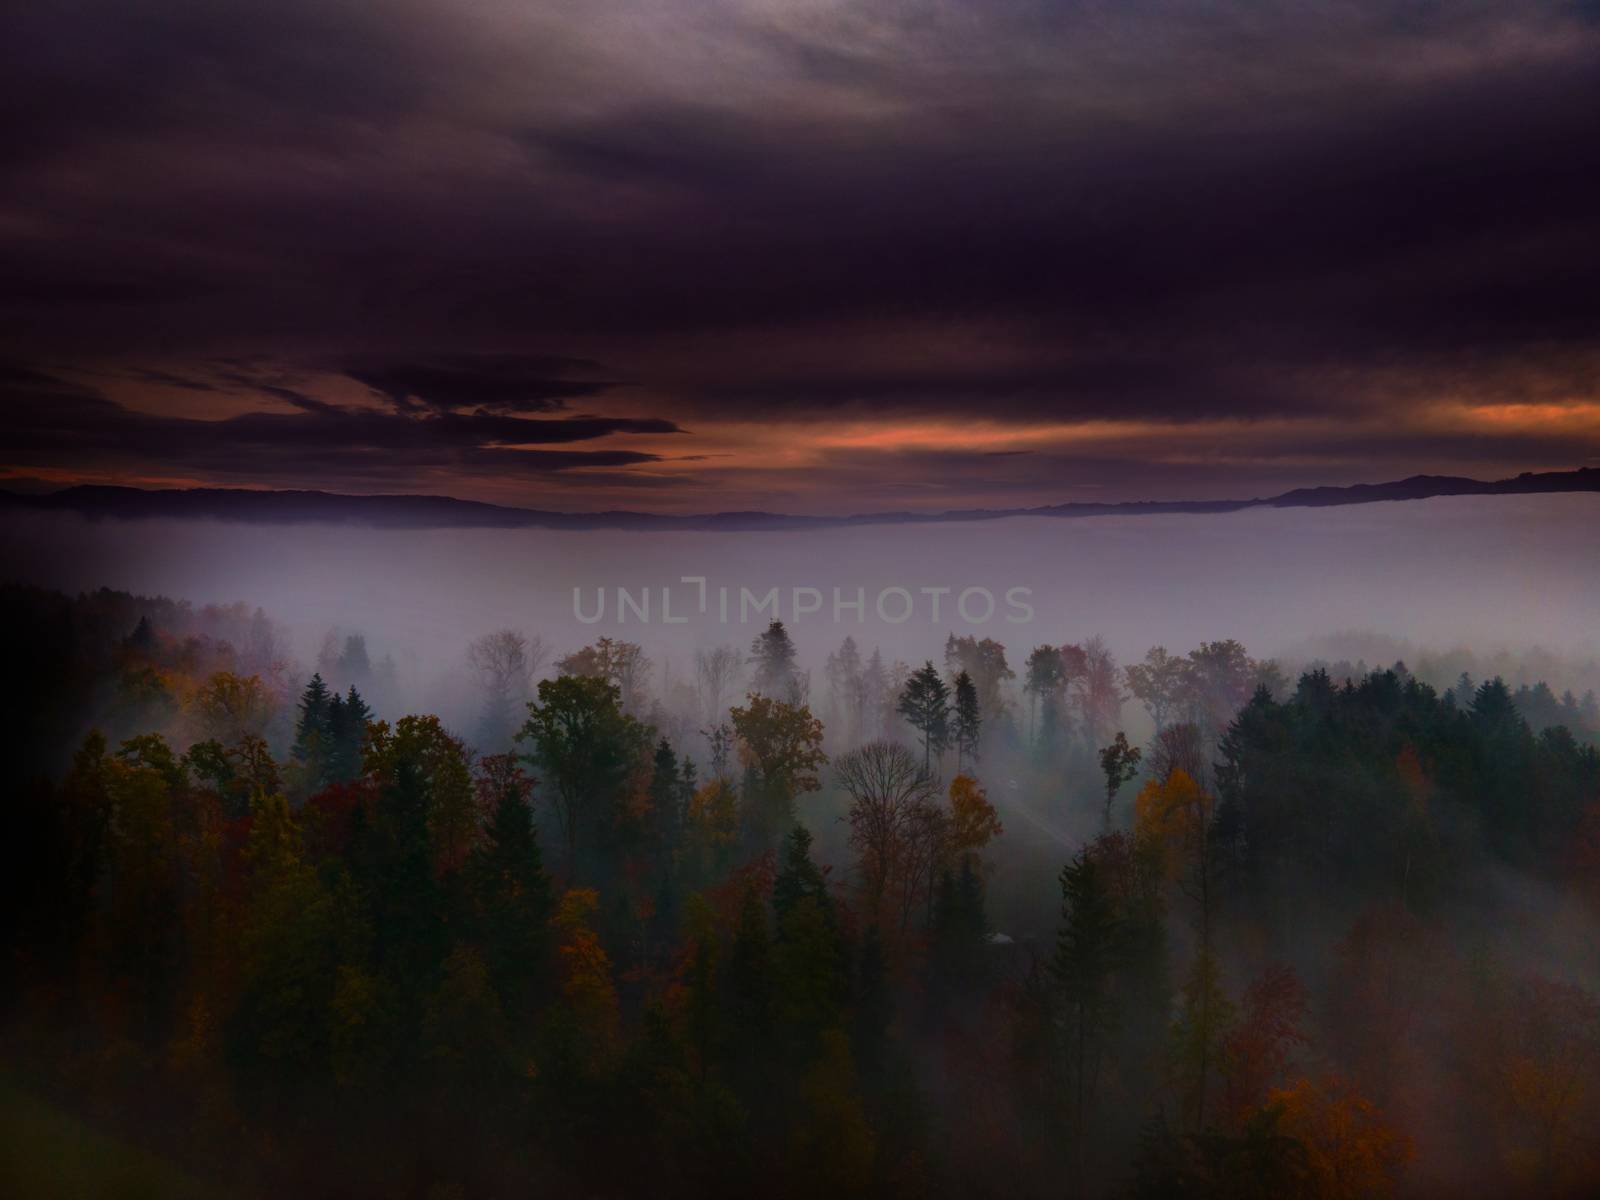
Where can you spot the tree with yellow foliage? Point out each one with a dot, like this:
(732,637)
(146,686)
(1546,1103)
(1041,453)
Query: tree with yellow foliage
(1352,1151)
(586,983)
(974,823)
(229,707)
(781,745)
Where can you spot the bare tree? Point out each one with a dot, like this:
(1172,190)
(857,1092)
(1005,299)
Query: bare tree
(1179,747)
(1099,691)
(507,664)
(716,674)
(892,808)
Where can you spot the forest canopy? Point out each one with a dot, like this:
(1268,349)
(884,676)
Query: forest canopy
(1015,921)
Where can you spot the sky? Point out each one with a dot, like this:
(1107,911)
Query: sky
(797,255)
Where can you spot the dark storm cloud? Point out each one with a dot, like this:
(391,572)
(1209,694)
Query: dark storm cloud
(498,383)
(1155,210)
(48,418)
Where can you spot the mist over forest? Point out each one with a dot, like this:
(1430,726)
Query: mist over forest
(1434,574)
(1261,860)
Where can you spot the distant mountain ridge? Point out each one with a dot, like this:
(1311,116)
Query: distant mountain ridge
(446,512)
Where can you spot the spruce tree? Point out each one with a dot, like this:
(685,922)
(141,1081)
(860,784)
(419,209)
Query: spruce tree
(959,937)
(511,898)
(347,731)
(773,655)
(666,801)
(1087,950)
(925,704)
(312,744)
(968,720)
(798,879)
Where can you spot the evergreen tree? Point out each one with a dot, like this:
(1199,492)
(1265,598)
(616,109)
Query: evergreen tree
(666,801)
(925,704)
(354,665)
(347,732)
(1119,762)
(1086,955)
(874,1002)
(959,939)
(798,878)
(312,744)
(1044,675)
(511,897)
(968,720)
(772,654)
(749,995)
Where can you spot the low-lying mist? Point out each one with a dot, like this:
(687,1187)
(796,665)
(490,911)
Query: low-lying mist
(1493,572)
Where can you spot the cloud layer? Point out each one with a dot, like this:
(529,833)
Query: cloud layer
(1215,246)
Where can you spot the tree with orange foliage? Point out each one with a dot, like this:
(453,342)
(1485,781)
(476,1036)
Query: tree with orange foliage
(974,823)
(781,745)
(1352,1151)
(439,758)
(1257,1050)
(1548,1068)
(1176,813)
(229,707)
(586,984)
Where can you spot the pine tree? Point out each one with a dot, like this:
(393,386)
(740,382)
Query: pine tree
(1086,955)
(749,991)
(511,897)
(798,878)
(347,732)
(773,655)
(959,936)
(312,744)
(925,704)
(874,1002)
(968,720)
(666,801)
(353,661)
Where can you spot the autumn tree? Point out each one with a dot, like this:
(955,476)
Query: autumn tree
(228,707)
(1353,1151)
(622,664)
(585,747)
(782,749)
(1178,816)
(711,830)
(587,988)
(440,762)
(1158,683)
(974,823)
(1258,1050)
